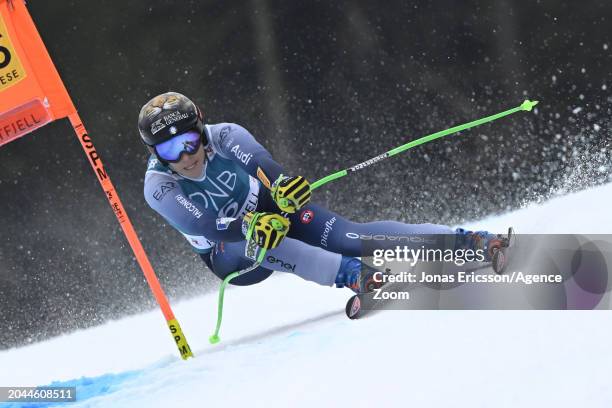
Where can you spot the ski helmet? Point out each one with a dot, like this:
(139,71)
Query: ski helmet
(166,116)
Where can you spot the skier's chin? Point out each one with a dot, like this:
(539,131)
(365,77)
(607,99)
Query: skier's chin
(194,169)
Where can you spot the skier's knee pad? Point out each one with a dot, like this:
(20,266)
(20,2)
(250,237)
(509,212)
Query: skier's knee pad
(222,264)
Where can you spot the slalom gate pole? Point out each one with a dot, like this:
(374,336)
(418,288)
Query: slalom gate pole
(130,234)
(527,105)
(38,96)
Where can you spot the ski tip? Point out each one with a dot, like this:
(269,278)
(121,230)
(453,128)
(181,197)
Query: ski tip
(353,307)
(528,105)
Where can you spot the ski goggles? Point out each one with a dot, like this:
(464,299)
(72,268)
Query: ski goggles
(171,150)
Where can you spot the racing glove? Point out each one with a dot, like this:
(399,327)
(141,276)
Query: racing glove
(266,229)
(291,193)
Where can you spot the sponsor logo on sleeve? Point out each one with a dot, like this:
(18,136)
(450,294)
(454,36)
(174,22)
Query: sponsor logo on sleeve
(223,223)
(242,157)
(163,189)
(329,226)
(263,178)
(189,206)
(306,216)
(223,135)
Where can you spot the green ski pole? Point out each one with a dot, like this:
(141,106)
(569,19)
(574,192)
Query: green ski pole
(258,255)
(214,338)
(525,106)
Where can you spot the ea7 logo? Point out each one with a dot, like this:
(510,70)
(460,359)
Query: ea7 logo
(163,189)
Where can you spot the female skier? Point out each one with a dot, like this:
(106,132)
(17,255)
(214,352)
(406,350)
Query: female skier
(217,185)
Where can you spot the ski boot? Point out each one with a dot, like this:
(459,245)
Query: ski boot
(358,276)
(494,246)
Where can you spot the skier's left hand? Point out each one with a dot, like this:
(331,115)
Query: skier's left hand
(291,193)
(266,229)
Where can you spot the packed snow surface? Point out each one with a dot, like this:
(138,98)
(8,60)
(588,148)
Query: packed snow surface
(287,343)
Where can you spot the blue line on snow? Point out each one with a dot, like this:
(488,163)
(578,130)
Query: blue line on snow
(87,387)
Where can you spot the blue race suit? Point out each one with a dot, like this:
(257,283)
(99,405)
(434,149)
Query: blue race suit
(237,175)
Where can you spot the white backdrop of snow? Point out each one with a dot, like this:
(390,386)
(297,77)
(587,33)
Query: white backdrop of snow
(286,342)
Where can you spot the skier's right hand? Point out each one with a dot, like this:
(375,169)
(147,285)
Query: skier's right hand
(266,229)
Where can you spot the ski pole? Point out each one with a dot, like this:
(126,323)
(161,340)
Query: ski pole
(214,338)
(527,105)
(260,254)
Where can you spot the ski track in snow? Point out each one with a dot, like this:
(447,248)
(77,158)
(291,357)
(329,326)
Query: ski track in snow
(287,343)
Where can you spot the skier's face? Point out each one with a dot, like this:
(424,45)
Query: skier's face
(190,165)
